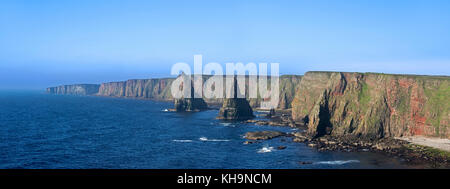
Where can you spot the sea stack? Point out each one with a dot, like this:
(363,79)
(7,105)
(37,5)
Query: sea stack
(190,104)
(235,108)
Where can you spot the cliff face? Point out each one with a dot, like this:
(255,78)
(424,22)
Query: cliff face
(78,89)
(288,86)
(141,88)
(373,105)
(159,89)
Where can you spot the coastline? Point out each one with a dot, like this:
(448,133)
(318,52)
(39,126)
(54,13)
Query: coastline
(340,111)
(415,150)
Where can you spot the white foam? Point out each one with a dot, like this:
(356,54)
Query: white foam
(227,124)
(265,149)
(213,140)
(165,110)
(337,162)
(218,140)
(182,140)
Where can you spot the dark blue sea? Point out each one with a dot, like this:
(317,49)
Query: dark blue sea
(39,130)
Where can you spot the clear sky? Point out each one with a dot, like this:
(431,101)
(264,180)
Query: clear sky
(45,43)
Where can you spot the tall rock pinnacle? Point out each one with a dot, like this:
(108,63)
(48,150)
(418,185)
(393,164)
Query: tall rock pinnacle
(191,103)
(235,108)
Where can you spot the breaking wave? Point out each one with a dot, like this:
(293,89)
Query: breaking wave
(227,124)
(337,162)
(265,149)
(213,140)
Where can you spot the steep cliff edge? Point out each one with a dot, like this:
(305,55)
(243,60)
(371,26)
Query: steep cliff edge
(78,89)
(140,88)
(159,89)
(373,105)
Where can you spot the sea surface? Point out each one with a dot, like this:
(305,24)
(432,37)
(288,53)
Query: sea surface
(39,130)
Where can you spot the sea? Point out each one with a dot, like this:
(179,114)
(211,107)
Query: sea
(46,131)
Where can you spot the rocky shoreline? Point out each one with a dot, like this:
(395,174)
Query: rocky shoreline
(411,153)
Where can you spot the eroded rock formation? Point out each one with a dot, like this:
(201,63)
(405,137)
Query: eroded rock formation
(235,108)
(263,135)
(191,103)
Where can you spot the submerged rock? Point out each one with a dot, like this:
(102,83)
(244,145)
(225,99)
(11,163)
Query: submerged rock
(263,135)
(281,147)
(249,142)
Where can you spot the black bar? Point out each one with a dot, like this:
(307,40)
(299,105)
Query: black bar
(169,177)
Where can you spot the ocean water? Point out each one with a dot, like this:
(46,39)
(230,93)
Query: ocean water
(39,130)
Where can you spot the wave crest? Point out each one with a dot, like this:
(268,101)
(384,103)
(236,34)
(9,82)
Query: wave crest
(337,162)
(213,140)
(265,149)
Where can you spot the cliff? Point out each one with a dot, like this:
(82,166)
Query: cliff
(159,89)
(139,88)
(373,105)
(336,103)
(78,89)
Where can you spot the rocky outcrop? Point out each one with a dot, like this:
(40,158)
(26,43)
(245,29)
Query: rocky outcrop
(78,89)
(191,103)
(235,108)
(373,105)
(263,135)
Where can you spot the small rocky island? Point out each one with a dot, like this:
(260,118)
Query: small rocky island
(235,108)
(190,104)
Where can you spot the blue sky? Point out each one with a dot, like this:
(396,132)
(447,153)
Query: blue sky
(45,43)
